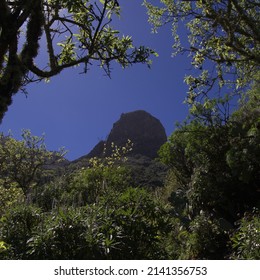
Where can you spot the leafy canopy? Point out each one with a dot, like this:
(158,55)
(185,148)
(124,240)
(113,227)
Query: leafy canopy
(21,162)
(216,167)
(223,40)
(68,33)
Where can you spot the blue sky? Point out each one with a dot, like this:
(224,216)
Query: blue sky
(76,110)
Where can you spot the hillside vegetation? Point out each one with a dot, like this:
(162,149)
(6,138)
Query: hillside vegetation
(199,200)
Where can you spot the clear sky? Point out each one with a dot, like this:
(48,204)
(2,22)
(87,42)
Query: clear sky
(76,110)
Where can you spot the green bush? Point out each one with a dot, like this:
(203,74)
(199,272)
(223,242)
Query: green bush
(63,235)
(143,225)
(206,239)
(246,239)
(16,228)
(9,197)
(127,225)
(88,185)
(49,196)
(4,250)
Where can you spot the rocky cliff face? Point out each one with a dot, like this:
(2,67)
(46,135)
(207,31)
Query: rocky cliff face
(145,131)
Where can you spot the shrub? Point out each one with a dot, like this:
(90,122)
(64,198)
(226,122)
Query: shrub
(206,239)
(9,197)
(16,228)
(142,223)
(246,239)
(63,235)
(127,225)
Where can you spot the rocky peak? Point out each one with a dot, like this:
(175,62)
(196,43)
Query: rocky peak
(145,131)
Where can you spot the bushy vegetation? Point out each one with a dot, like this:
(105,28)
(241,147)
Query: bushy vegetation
(90,213)
(205,209)
(215,181)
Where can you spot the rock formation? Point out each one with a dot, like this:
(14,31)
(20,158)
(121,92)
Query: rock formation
(145,132)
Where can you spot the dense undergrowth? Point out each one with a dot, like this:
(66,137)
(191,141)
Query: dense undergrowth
(206,207)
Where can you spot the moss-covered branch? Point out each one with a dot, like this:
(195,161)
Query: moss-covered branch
(81,29)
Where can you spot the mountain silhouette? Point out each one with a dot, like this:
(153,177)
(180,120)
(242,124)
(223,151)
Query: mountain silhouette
(144,130)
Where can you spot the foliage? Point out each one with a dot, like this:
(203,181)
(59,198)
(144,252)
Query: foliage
(143,225)
(88,185)
(49,195)
(21,161)
(206,239)
(222,158)
(244,155)
(62,236)
(214,178)
(16,227)
(223,41)
(92,213)
(9,197)
(101,212)
(101,176)
(207,208)
(4,250)
(75,32)
(146,172)
(2,247)
(246,239)
(129,226)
